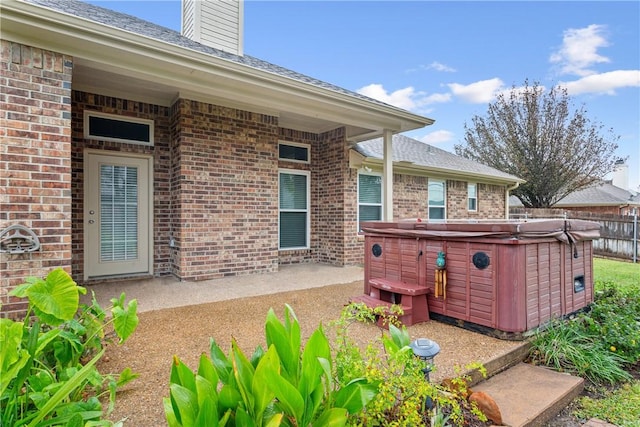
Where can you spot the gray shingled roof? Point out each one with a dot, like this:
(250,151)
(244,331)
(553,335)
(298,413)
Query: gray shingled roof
(148,29)
(602,194)
(407,149)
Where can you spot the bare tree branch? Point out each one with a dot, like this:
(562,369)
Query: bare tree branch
(534,134)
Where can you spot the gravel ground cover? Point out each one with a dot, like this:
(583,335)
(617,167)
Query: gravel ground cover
(186,331)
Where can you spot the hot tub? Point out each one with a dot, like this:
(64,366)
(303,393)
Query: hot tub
(503,278)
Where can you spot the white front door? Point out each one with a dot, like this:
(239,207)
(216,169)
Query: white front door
(117,214)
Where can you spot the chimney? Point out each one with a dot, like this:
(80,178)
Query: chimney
(215,23)
(621,175)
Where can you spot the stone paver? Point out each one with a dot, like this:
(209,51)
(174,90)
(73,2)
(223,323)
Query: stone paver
(594,422)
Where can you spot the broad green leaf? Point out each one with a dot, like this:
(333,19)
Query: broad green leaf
(288,396)
(169,413)
(400,336)
(243,372)
(205,390)
(243,419)
(185,404)
(262,393)
(355,395)
(46,338)
(67,388)
(125,321)
(55,300)
(208,414)
(334,417)
(20,291)
(10,372)
(229,397)
(277,335)
(182,375)
(11,333)
(274,421)
(256,356)
(317,347)
(207,370)
(220,362)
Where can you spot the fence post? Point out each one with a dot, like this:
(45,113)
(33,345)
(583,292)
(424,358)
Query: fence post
(635,235)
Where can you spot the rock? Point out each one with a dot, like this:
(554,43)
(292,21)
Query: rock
(487,406)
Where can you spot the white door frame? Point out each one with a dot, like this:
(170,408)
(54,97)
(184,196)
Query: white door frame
(93,268)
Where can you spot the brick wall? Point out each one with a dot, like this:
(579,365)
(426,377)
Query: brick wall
(410,195)
(330,174)
(35,161)
(82,101)
(225,191)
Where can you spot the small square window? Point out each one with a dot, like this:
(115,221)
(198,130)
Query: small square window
(110,127)
(293,152)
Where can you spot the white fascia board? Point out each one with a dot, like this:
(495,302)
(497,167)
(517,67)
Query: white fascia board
(192,70)
(409,168)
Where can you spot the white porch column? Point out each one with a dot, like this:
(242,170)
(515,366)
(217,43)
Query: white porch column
(387,176)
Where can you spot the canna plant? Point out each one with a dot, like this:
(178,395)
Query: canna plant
(48,373)
(287,385)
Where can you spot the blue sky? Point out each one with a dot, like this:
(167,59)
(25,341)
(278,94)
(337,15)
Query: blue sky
(447,59)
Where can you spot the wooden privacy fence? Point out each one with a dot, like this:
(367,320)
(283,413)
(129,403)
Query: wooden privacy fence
(619,234)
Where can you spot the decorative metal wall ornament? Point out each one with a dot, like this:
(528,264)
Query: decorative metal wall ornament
(376,250)
(18,239)
(481,260)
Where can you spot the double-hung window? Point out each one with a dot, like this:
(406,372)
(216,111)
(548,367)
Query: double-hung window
(369,198)
(294,209)
(437,197)
(472,197)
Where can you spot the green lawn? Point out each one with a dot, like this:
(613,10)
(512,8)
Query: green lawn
(623,274)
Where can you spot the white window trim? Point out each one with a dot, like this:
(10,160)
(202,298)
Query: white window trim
(89,113)
(444,189)
(295,144)
(308,210)
(469,198)
(368,204)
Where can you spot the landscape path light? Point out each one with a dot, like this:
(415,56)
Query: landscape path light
(426,350)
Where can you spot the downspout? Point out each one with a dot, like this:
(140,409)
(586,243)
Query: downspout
(506,199)
(387,175)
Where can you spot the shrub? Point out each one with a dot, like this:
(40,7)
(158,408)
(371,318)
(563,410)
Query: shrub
(286,385)
(48,372)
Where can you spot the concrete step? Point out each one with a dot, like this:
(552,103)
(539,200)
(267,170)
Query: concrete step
(528,395)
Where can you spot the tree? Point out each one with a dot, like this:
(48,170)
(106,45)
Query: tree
(533,134)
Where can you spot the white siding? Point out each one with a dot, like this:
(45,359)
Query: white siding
(216,23)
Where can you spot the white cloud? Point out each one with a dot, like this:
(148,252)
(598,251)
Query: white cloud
(407,98)
(435,65)
(437,137)
(479,92)
(579,50)
(605,83)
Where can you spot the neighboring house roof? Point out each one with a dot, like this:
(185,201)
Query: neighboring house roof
(601,194)
(411,154)
(124,56)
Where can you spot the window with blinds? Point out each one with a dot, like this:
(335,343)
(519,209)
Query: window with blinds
(472,197)
(294,210)
(369,198)
(118,213)
(436,200)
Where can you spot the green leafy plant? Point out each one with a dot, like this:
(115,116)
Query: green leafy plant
(286,385)
(404,397)
(621,407)
(48,372)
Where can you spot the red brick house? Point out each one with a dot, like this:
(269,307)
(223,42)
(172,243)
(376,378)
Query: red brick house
(130,150)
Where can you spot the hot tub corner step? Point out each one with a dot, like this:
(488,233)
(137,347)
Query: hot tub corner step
(529,395)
